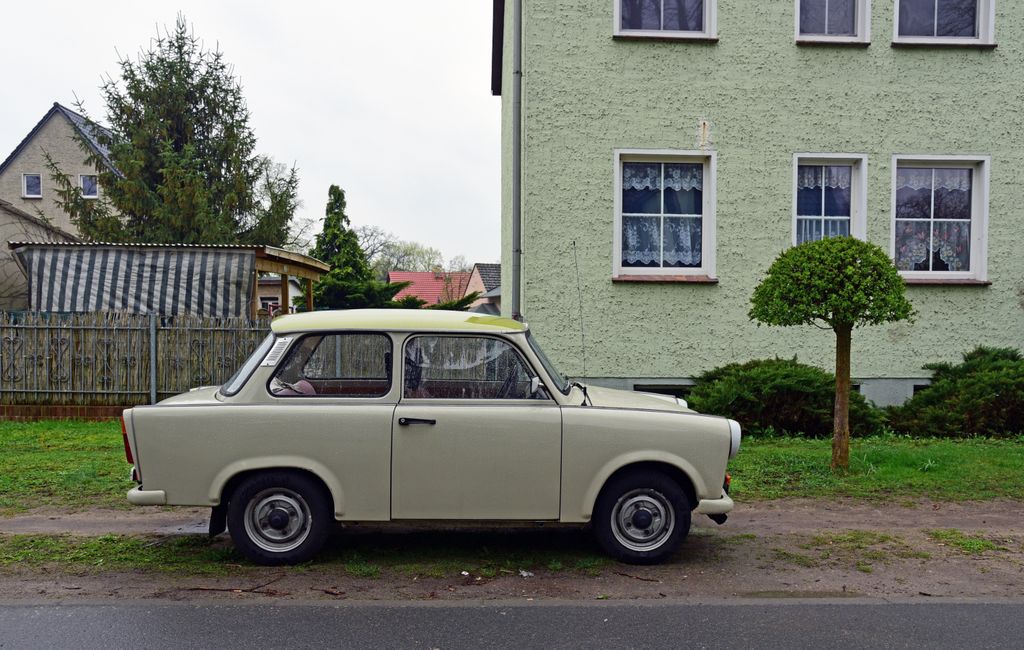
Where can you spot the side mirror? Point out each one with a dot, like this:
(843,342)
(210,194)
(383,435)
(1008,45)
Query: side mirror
(534,386)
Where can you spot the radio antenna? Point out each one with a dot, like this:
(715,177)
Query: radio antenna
(583,340)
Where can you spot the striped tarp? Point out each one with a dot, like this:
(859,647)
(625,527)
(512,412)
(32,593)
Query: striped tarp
(165,281)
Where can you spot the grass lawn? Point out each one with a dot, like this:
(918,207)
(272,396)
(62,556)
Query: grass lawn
(884,467)
(62,463)
(430,554)
(72,465)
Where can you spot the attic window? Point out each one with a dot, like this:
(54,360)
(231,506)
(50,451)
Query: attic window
(32,186)
(90,186)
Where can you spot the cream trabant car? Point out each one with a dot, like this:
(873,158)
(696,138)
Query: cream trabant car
(399,415)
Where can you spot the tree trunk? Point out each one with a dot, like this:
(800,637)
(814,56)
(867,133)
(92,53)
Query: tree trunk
(841,420)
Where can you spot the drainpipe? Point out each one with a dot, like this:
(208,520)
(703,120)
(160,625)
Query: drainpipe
(517,164)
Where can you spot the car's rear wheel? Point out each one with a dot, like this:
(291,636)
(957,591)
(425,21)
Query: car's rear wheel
(641,517)
(279,517)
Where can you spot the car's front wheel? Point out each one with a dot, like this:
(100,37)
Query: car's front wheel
(279,517)
(641,517)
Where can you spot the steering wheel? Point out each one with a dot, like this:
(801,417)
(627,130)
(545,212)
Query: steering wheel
(506,386)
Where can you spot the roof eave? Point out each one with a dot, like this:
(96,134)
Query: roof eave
(497,46)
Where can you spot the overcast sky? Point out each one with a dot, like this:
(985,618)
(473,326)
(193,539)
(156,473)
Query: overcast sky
(389,100)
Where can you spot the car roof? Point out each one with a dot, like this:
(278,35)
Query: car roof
(402,320)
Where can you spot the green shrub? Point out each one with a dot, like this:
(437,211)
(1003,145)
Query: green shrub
(983,396)
(781,396)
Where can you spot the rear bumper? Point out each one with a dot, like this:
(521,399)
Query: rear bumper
(139,497)
(718,506)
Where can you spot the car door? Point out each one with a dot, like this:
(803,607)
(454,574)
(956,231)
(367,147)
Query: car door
(470,439)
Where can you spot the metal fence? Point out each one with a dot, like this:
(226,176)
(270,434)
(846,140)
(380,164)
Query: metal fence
(117,359)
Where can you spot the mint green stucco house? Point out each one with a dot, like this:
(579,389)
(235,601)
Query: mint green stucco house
(682,144)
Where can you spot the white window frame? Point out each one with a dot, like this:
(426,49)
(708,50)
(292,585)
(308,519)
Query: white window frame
(863,24)
(980,179)
(858,186)
(986,29)
(24,187)
(710,26)
(81,186)
(708,225)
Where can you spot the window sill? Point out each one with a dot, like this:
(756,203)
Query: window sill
(669,36)
(669,279)
(947,282)
(945,44)
(827,42)
(32,198)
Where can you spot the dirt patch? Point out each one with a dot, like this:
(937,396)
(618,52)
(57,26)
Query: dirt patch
(779,549)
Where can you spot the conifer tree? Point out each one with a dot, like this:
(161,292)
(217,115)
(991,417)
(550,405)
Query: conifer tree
(182,164)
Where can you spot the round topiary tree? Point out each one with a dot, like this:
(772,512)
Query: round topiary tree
(836,283)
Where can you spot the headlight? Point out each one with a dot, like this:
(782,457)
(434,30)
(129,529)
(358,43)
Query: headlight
(735,436)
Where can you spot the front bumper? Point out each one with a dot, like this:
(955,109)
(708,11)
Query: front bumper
(719,506)
(139,497)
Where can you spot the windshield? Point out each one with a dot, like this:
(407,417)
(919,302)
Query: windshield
(238,380)
(560,382)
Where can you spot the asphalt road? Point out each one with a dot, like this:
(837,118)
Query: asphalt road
(787,624)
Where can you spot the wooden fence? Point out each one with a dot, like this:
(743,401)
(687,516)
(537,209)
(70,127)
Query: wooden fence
(104,359)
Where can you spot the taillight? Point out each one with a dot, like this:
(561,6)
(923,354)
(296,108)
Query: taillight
(127,447)
(728,482)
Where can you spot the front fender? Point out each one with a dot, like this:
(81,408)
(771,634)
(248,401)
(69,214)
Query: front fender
(280,462)
(632,458)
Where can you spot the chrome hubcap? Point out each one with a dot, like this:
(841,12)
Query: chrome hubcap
(642,520)
(277,520)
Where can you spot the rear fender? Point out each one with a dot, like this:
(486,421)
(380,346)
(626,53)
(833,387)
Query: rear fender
(280,462)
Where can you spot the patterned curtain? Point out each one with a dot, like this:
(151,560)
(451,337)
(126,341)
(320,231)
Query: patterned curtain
(933,219)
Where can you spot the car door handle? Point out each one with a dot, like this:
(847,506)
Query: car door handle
(407,421)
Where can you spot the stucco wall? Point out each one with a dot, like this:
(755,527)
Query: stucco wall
(586,95)
(56,138)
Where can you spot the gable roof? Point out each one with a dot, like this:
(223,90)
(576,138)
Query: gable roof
(92,133)
(25,216)
(431,287)
(490,275)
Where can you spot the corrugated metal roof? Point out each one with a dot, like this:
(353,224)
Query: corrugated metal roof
(107,244)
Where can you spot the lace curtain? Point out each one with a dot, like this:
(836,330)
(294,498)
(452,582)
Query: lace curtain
(824,191)
(648,176)
(672,195)
(678,15)
(952,179)
(812,177)
(642,245)
(933,246)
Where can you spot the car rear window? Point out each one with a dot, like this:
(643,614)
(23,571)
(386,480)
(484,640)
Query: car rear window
(335,365)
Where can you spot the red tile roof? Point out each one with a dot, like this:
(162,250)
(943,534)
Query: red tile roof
(430,286)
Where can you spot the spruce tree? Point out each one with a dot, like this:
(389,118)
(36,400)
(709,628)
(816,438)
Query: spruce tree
(182,164)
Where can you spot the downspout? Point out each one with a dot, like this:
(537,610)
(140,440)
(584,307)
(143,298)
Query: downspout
(517,163)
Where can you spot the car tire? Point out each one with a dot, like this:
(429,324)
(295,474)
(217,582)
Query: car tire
(280,517)
(641,517)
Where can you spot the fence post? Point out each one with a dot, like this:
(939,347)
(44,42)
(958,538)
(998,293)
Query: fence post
(152,358)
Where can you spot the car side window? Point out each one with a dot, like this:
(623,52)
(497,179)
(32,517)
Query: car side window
(466,367)
(335,365)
